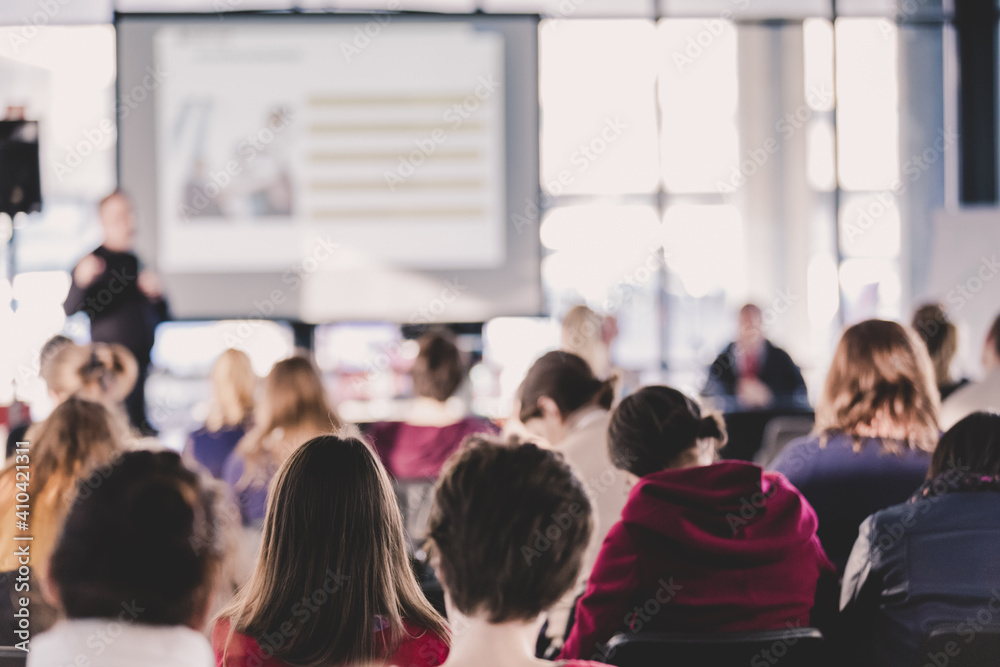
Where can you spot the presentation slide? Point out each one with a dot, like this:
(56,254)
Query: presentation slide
(359,173)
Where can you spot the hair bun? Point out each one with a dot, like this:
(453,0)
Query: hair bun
(712,426)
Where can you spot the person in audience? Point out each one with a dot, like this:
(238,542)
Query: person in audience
(46,367)
(419,446)
(977,396)
(108,375)
(931,561)
(940,335)
(124,303)
(719,546)
(589,336)
(332,584)
(563,402)
(753,373)
(135,569)
(294,408)
(78,437)
(509,526)
(876,426)
(230,412)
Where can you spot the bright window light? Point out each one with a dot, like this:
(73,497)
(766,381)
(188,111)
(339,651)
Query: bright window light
(868,104)
(596,90)
(602,251)
(698,89)
(704,247)
(823,290)
(817,41)
(870,226)
(820,155)
(871,288)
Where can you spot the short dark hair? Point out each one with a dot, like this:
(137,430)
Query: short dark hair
(509,526)
(438,371)
(568,380)
(143,532)
(651,428)
(972,445)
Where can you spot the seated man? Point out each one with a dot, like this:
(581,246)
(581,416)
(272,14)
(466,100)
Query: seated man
(752,373)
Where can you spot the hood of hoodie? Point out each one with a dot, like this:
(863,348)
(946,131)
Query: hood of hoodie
(727,511)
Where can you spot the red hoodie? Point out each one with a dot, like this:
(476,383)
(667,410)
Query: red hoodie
(719,548)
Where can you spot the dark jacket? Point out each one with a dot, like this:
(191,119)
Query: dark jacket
(719,548)
(119,311)
(844,486)
(932,561)
(777,371)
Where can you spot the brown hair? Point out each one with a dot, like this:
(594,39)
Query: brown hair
(568,380)
(509,527)
(652,429)
(438,370)
(332,525)
(146,535)
(994,335)
(77,437)
(940,335)
(109,374)
(233,386)
(294,409)
(880,372)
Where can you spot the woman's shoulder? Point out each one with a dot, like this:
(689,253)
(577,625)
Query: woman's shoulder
(797,456)
(420,648)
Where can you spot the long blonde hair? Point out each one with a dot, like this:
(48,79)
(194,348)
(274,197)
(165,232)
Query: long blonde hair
(77,437)
(881,374)
(294,408)
(233,386)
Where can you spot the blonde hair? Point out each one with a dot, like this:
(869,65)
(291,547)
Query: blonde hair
(294,408)
(881,375)
(77,438)
(61,370)
(585,334)
(233,385)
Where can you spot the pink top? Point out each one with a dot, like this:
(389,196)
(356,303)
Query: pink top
(422,649)
(418,452)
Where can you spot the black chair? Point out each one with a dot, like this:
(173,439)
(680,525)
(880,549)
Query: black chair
(12,657)
(969,648)
(794,647)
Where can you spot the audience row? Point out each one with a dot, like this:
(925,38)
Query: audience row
(596,520)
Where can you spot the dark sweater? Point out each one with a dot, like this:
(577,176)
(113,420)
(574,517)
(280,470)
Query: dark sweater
(119,311)
(845,486)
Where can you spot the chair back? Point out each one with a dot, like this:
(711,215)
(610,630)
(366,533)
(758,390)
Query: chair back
(12,657)
(415,498)
(778,433)
(793,647)
(968,648)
